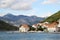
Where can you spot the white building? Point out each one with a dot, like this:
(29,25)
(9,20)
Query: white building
(24,28)
(35,26)
(51,27)
(59,23)
(58,27)
(46,22)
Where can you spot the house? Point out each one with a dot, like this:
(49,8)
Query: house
(35,26)
(24,28)
(40,24)
(52,27)
(58,27)
(43,24)
(46,22)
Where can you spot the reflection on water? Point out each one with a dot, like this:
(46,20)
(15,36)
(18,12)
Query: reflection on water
(28,36)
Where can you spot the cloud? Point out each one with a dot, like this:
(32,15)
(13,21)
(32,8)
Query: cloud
(16,4)
(50,1)
(21,6)
(6,3)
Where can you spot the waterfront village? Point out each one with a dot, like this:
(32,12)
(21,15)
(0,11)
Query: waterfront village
(41,27)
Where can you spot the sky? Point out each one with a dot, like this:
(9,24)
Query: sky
(40,8)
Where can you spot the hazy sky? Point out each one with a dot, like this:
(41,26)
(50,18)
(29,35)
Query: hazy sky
(41,8)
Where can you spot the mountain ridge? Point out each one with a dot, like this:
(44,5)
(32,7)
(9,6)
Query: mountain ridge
(21,19)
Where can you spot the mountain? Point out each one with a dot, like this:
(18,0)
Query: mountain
(53,17)
(21,19)
(7,27)
(9,17)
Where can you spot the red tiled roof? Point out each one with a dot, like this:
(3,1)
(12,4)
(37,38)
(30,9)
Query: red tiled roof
(52,25)
(25,25)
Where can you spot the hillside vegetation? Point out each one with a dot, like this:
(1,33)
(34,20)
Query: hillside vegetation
(53,17)
(7,27)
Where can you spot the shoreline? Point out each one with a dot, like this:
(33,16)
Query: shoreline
(31,32)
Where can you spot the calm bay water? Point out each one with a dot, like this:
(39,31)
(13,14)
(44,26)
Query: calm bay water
(28,36)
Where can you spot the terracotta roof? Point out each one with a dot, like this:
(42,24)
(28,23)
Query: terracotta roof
(52,25)
(25,25)
(35,25)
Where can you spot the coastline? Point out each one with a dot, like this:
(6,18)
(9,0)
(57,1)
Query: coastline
(31,32)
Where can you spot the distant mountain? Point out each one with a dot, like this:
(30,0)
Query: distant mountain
(10,17)
(53,17)
(7,27)
(21,19)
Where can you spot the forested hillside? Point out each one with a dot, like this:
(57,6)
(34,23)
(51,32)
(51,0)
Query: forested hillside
(53,17)
(7,27)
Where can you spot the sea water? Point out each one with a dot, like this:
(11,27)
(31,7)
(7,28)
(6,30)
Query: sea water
(28,36)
